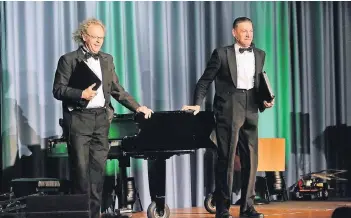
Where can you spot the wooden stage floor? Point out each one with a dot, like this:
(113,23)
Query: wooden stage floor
(288,209)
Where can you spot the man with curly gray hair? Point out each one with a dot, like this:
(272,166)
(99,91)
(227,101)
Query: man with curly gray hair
(87,111)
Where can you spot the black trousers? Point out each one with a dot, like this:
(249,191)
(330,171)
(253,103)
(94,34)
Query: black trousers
(87,136)
(239,112)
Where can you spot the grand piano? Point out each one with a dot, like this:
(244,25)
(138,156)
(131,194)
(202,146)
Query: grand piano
(165,134)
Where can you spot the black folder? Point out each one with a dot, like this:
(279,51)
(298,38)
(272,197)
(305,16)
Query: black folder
(265,89)
(83,77)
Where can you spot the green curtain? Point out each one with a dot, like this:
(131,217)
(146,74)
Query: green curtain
(272,34)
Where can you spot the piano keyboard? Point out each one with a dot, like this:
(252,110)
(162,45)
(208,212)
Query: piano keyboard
(115,142)
(58,147)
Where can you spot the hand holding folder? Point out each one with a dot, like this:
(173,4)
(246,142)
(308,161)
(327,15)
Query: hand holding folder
(265,88)
(265,91)
(83,77)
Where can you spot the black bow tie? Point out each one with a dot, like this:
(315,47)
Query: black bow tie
(88,54)
(249,49)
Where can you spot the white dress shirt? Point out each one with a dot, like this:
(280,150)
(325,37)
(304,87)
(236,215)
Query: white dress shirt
(99,100)
(245,68)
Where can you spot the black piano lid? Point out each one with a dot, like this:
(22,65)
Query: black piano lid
(172,130)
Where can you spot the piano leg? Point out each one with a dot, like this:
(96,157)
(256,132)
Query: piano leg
(121,188)
(157,183)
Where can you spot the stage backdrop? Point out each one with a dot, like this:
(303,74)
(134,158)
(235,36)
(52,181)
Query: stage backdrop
(160,50)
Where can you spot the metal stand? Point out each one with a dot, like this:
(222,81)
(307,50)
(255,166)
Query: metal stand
(157,180)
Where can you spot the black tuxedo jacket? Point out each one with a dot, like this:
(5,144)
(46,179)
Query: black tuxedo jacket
(222,69)
(71,97)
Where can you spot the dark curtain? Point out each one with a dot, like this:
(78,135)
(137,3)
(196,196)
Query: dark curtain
(321,101)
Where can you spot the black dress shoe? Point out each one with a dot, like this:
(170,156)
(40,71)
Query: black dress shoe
(223,214)
(251,212)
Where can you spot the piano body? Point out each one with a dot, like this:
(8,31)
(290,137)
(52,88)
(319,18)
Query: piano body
(165,134)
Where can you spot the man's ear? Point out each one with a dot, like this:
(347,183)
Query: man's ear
(233,33)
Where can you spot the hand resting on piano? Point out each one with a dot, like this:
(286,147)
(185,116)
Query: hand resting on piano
(195,108)
(146,111)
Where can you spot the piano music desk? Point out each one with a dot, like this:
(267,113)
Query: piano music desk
(271,154)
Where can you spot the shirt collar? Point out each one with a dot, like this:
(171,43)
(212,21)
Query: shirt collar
(236,48)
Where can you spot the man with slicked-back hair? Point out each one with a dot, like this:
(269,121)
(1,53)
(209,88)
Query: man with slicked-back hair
(235,70)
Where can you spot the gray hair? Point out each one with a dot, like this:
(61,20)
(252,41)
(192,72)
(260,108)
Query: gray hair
(77,35)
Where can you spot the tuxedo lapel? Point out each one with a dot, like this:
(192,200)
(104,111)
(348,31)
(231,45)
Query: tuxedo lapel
(104,72)
(258,61)
(80,55)
(232,63)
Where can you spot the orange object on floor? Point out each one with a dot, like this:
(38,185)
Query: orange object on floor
(271,154)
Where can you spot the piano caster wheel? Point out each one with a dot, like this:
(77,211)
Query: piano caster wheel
(210,204)
(153,213)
